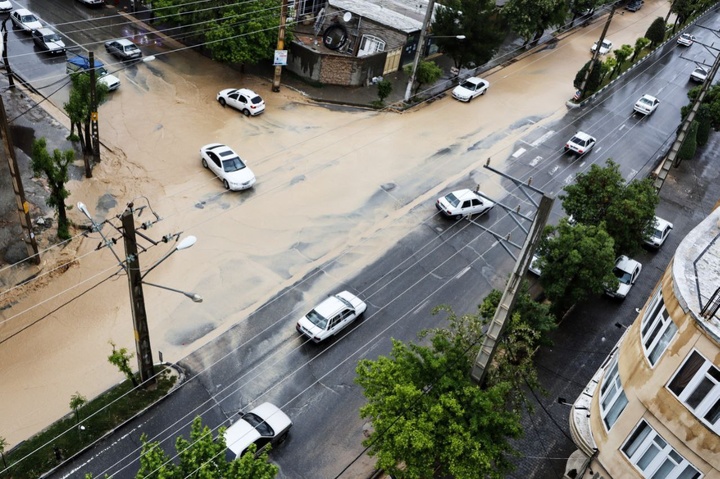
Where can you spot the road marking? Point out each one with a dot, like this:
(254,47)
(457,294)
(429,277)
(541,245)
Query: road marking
(569,179)
(519,152)
(542,139)
(421,306)
(536,160)
(622,127)
(552,172)
(461,273)
(631,175)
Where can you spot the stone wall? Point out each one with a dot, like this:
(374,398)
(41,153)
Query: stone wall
(334,69)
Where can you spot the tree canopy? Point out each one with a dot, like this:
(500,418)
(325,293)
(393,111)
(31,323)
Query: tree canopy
(656,32)
(477,21)
(427,73)
(55,168)
(79,108)
(601,196)
(426,412)
(530,18)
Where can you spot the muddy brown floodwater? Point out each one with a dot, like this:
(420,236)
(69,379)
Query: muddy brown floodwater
(331,185)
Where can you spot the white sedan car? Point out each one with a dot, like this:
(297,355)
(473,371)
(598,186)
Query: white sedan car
(685,40)
(604,48)
(247,101)
(699,74)
(580,143)
(464,203)
(25,20)
(470,88)
(331,316)
(266,424)
(646,105)
(5,6)
(227,166)
(661,230)
(626,270)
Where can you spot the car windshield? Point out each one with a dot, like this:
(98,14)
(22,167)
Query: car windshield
(468,84)
(645,101)
(233,164)
(28,19)
(101,72)
(131,48)
(622,276)
(605,44)
(578,141)
(256,100)
(452,199)
(657,233)
(261,426)
(317,319)
(53,37)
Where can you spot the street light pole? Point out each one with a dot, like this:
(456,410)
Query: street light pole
(420,49)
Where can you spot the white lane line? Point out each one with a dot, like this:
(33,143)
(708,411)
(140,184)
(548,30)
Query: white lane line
(519,152)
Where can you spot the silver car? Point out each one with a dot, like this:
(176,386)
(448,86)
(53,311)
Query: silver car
(123,49)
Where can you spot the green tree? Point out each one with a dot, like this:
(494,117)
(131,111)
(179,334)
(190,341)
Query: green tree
(576,261)
(621,56)
(120,358)
(607,69)
(530,18)
(689,146)
(202,457)
(55,169)
(79,109)
(427,73)
(77,401)
(426,412)
(704,124)
(640,44)
(3,445)
(656,32)
(601,196)
(594,80)
(478,21)
(384,89)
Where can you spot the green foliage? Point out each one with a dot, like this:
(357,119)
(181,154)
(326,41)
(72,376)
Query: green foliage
(640,44)
(689,145)
(530,18)
(232,32)
(656,32)
(79,108)
(384,89)
(55,169)
(704,125)
(426,412)
(594,80)
(120,358)
(77,401)
(601,196)
(710,104)
(535,315)
(621,56)
(576,262)
(483,29)
(202,457)
(427,73)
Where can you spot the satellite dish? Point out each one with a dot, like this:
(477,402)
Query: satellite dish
(347,16)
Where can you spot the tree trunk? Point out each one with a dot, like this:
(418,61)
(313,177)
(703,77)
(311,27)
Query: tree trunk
(88,139)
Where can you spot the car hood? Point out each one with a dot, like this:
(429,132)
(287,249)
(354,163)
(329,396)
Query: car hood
(241,176)
(239,436)
(109,80)
(58,45)
(226,91)
(33,25)
(623,290)
(356,302)
(461,91)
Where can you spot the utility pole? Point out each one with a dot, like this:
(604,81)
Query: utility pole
(11,79)
(596,53)
(420,49)
(95,133)
(137,300)
(507,302)
(280,44)
(22,204)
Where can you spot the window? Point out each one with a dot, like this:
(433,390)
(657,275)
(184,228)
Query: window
(657,329)
(612,396)
(654,457)
(697,385)
(370,44)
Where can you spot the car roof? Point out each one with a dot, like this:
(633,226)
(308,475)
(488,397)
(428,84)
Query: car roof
(217,148)
(123,41)
(661,224)
(247,91)
(23,11)
(329,307)
(475,80)
(626,264)
(582,135)
(45,30)
(649,97)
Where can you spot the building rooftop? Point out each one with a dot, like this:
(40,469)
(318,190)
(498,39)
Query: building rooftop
(696,272)
(400,15)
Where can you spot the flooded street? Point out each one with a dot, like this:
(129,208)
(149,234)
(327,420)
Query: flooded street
(335,188)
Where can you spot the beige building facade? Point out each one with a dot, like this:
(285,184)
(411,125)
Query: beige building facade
(653,409)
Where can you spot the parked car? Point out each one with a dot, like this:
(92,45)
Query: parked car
(48,40)
(646,105)
(685,40)
(604,48)
(266,424)
(123,49)
(227,166)
(331,316)
(581,143)
(470,88)
(92,3)
(464,203)
(5,6)
(25,20)
(247,101)
(80,63)
(626,270)
(634,5)
(661,230)
(700,74)
(534,268)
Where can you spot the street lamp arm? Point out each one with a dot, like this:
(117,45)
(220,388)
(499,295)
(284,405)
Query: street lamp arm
(96,227)
(194,296)
(184,244)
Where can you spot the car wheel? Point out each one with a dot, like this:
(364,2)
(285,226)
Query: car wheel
(282,437)
(483,92)
(457,217)
(226,184)
(222,101)
(246,112)
(204,163)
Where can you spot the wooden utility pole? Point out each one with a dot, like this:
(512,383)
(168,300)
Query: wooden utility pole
(95,133)
(137,300)
(420,49)
(596,53)
(11,79)
(507,302)
(280,44)
(22,204)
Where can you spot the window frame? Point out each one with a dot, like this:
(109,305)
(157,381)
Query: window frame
(611,388)
(710,400)
(657,329)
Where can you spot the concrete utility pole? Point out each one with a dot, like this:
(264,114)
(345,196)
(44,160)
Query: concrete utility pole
(94,127)
(137,300)
(11,79)
(507,302)
(596,53)
(420,49)
(280,44)
(22,204)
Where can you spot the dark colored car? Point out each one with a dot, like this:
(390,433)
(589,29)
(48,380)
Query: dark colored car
(634,5)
